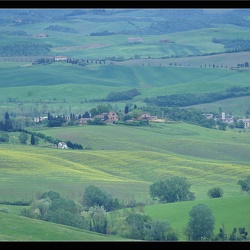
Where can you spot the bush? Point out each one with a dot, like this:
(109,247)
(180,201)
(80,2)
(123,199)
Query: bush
(215,192)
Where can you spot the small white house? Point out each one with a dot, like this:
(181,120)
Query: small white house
(62,145)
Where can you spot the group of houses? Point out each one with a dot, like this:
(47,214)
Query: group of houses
(108,117)
(229,119)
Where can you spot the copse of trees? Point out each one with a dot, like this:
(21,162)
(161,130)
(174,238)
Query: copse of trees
(122,95)
(54,208)
(189,99)
(94,196)
(173,189)
(190,115)
(23,49)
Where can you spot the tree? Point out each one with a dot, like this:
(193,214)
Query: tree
(126,109)
(94,196)
(239,235)
(245,184)
(23,137)
(201,223)
(215,192)
(97,219)
(137,222)
(7,124)
(32,140)
(159,231)
(4,137)
(173,189)
(240,124)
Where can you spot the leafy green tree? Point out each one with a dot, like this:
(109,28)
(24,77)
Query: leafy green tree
(94,196)
(240,124)
(173,189)
(245,184)
(23,137)
(215,192)
(97,219)
(4,137)
(137,222)
(86,115)
(159,231)
(201,223)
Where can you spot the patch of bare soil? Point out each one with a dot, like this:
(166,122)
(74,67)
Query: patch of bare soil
(81,47)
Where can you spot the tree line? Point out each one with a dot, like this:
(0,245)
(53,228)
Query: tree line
(24,49)
(189,99)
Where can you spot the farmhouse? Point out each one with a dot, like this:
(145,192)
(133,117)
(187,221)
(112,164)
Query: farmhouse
(113,117)
(39,119)
(40,35)
(246,122)
(135,40)
(61,58)
(148,117)
(62,145)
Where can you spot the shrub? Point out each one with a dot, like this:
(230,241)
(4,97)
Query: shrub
(215,192)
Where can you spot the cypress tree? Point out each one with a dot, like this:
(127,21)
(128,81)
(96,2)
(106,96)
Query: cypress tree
(32,140)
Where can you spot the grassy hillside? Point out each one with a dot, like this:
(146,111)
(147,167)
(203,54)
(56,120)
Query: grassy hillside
(228,212)
(57,87)
(19,228)
(123,159)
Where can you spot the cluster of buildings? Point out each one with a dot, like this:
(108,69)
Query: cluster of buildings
(229,119)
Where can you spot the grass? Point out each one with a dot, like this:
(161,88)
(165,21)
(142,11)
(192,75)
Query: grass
(71,87)
(230,212)
(138,158)
(18,228)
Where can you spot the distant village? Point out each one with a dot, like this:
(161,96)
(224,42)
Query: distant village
(109,118)
(112,117)
(229,119)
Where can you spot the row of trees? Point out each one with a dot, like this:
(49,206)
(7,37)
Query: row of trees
(189,99)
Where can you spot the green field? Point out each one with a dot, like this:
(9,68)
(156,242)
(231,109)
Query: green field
(21,229)
(133,157)
(64,86)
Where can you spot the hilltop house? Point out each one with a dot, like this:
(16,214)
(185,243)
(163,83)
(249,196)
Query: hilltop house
(62,145)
